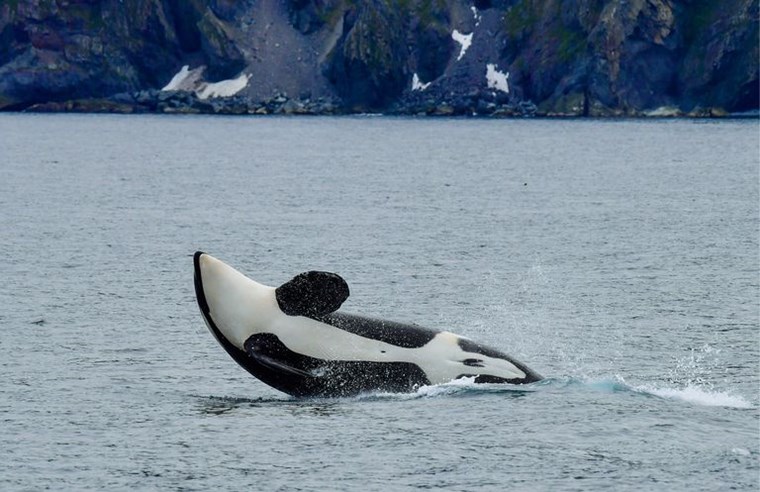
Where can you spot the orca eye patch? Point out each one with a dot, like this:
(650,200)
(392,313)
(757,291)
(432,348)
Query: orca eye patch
(473,362)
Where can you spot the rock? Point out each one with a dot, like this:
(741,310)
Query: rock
(720,65)
(443,110)
(597,58)
(83,106)
(572,104)
(307,16)
(718,113)
(527,108)
(293,107)
(368,63)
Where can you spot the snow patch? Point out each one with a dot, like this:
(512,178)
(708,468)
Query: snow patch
(224,88)
(418,85)
(664,112)
(475,15)
(177,79)
(465,40)
(192,81)
(185,79)
(496,79)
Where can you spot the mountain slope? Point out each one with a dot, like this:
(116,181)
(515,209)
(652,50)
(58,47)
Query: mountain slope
(564,57)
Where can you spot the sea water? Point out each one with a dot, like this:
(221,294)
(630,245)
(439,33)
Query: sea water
(617,258)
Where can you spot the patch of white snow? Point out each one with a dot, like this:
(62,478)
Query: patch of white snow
(496,79)
(664,112)
(177,79)
(418,85)
(465,40)
(224,88)
(185,79)
(475,15)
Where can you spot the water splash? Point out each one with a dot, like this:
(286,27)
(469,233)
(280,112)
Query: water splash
(704,395)
(466,387)
(701,366)
(459,387)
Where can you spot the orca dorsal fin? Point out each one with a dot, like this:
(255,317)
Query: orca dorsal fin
(312,294)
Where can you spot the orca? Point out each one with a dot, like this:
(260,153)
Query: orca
(294,339)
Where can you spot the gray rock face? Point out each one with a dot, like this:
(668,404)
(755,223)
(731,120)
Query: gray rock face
(57,50)
(368,65)
(447,57)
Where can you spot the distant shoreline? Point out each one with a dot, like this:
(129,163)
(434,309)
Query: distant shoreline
(184,102)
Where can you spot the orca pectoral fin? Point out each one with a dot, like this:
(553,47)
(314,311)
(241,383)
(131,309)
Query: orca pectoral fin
(274,364)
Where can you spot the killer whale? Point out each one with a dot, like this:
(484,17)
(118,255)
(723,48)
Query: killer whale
(294,339)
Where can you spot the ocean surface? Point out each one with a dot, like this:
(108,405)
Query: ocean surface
(617,258)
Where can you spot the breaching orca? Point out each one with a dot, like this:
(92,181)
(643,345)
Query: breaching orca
(293,339)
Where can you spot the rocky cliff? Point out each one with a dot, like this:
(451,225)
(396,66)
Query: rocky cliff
(508,57)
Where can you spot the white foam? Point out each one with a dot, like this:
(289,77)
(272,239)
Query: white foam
(224,88)
(454,386)
(699,396)
(418,85)
(431,391)
(496,79)
(741,451)
(465,40)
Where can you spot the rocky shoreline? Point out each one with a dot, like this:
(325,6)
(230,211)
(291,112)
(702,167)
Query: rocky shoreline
(472,105)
